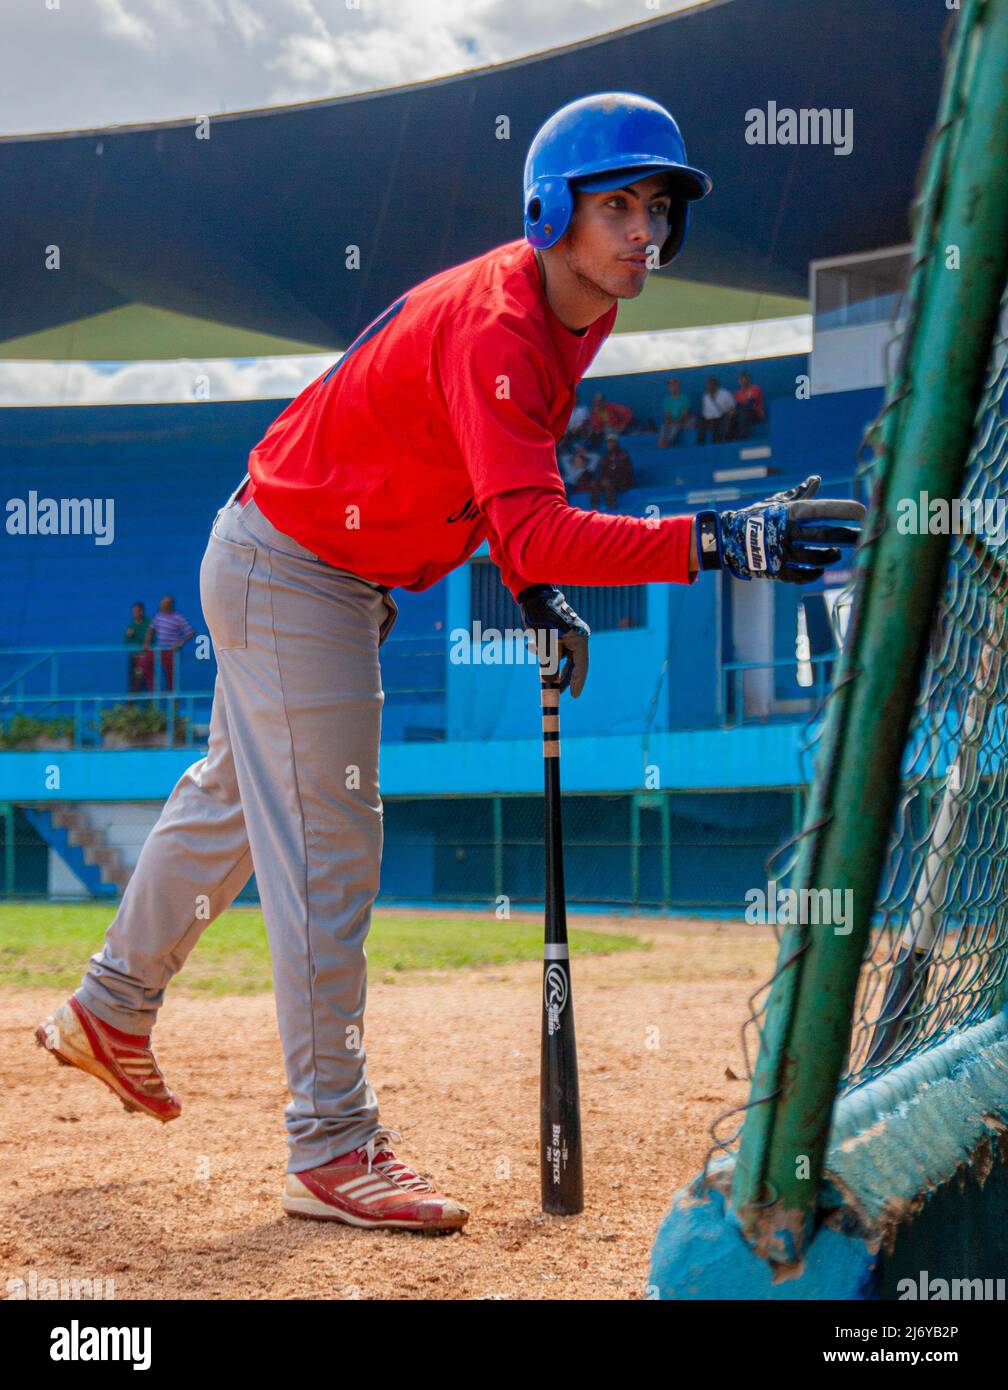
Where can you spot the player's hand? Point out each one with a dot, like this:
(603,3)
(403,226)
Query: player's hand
(558,630)
(789,536)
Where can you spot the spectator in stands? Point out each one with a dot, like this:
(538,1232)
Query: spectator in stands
(607,417)
(172,632)
(579,468)
(579,425)
(140,660)
(675,413)
(615,473)
(749,406)
(717,413)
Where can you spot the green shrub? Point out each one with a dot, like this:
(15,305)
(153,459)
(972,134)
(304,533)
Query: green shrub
(22,730)
(136,723)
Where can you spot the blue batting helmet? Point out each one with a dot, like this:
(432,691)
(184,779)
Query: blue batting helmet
(605,142)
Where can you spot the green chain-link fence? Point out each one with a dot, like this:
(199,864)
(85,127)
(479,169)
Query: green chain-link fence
(908,806)
(938,960)
(673,850)
(679,850)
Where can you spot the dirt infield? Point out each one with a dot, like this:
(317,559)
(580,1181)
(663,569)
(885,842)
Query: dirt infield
(192,1210)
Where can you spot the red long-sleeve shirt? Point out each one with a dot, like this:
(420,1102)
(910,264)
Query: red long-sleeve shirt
(437,429)
(752,395)
(610,418)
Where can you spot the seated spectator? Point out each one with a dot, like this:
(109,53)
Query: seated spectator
(172,632)
(674,415)
(579,425)
(578,468)
(615,473)
(717,413)
(140,661)
(607,417)
(750,409)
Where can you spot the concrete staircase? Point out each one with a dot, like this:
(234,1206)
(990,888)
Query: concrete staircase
(94,847)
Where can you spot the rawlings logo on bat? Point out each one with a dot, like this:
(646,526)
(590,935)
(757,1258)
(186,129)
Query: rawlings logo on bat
(554,995)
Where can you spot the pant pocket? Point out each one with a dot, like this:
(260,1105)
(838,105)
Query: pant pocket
(224,587)
(391,614)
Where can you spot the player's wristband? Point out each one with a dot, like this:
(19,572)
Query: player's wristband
(708,541)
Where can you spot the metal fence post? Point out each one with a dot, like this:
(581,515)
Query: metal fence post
(498,834)
(635,850)
(9,860)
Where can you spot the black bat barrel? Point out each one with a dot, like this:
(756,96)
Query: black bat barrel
(560,1164)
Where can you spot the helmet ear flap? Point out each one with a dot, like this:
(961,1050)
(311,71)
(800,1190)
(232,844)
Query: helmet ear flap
(679,215)
(548,209)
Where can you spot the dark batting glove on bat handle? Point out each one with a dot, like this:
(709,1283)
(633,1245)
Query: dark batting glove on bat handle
(787,537)
(545,611)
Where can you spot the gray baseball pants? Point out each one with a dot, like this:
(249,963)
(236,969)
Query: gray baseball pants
(289,786)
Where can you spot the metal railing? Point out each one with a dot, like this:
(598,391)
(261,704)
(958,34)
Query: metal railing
(414,668)
(69,686)
(83,708)
(84,714)
(805,698)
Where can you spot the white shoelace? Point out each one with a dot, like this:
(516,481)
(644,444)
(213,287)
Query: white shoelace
(390,1167)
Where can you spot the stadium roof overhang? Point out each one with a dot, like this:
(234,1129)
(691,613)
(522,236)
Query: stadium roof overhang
(253,226)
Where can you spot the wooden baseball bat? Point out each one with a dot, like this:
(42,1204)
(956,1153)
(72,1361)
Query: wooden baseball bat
(560,1172)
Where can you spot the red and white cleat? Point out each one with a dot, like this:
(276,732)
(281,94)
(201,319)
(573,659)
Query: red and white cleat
(124,1061)
(370,1187)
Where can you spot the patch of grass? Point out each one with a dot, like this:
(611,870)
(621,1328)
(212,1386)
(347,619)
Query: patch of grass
(48,944)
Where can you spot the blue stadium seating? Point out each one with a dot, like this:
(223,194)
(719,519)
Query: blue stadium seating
(168,469)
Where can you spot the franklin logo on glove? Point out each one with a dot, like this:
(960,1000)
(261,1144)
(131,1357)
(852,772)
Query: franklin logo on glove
(754,545)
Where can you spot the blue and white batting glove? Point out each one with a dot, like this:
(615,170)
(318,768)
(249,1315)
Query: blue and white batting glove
(559,635)
(787,537)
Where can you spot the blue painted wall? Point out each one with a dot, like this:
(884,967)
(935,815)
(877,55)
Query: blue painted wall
(822,434)
(753,756)
(169,467)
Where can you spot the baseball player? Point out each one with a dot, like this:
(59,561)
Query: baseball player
(436,430)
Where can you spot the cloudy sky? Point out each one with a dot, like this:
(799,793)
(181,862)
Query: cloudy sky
(67,64)
(70,64)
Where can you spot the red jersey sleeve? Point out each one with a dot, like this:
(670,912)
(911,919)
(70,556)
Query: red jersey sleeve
(537,538)
(496,389)
(496,386)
